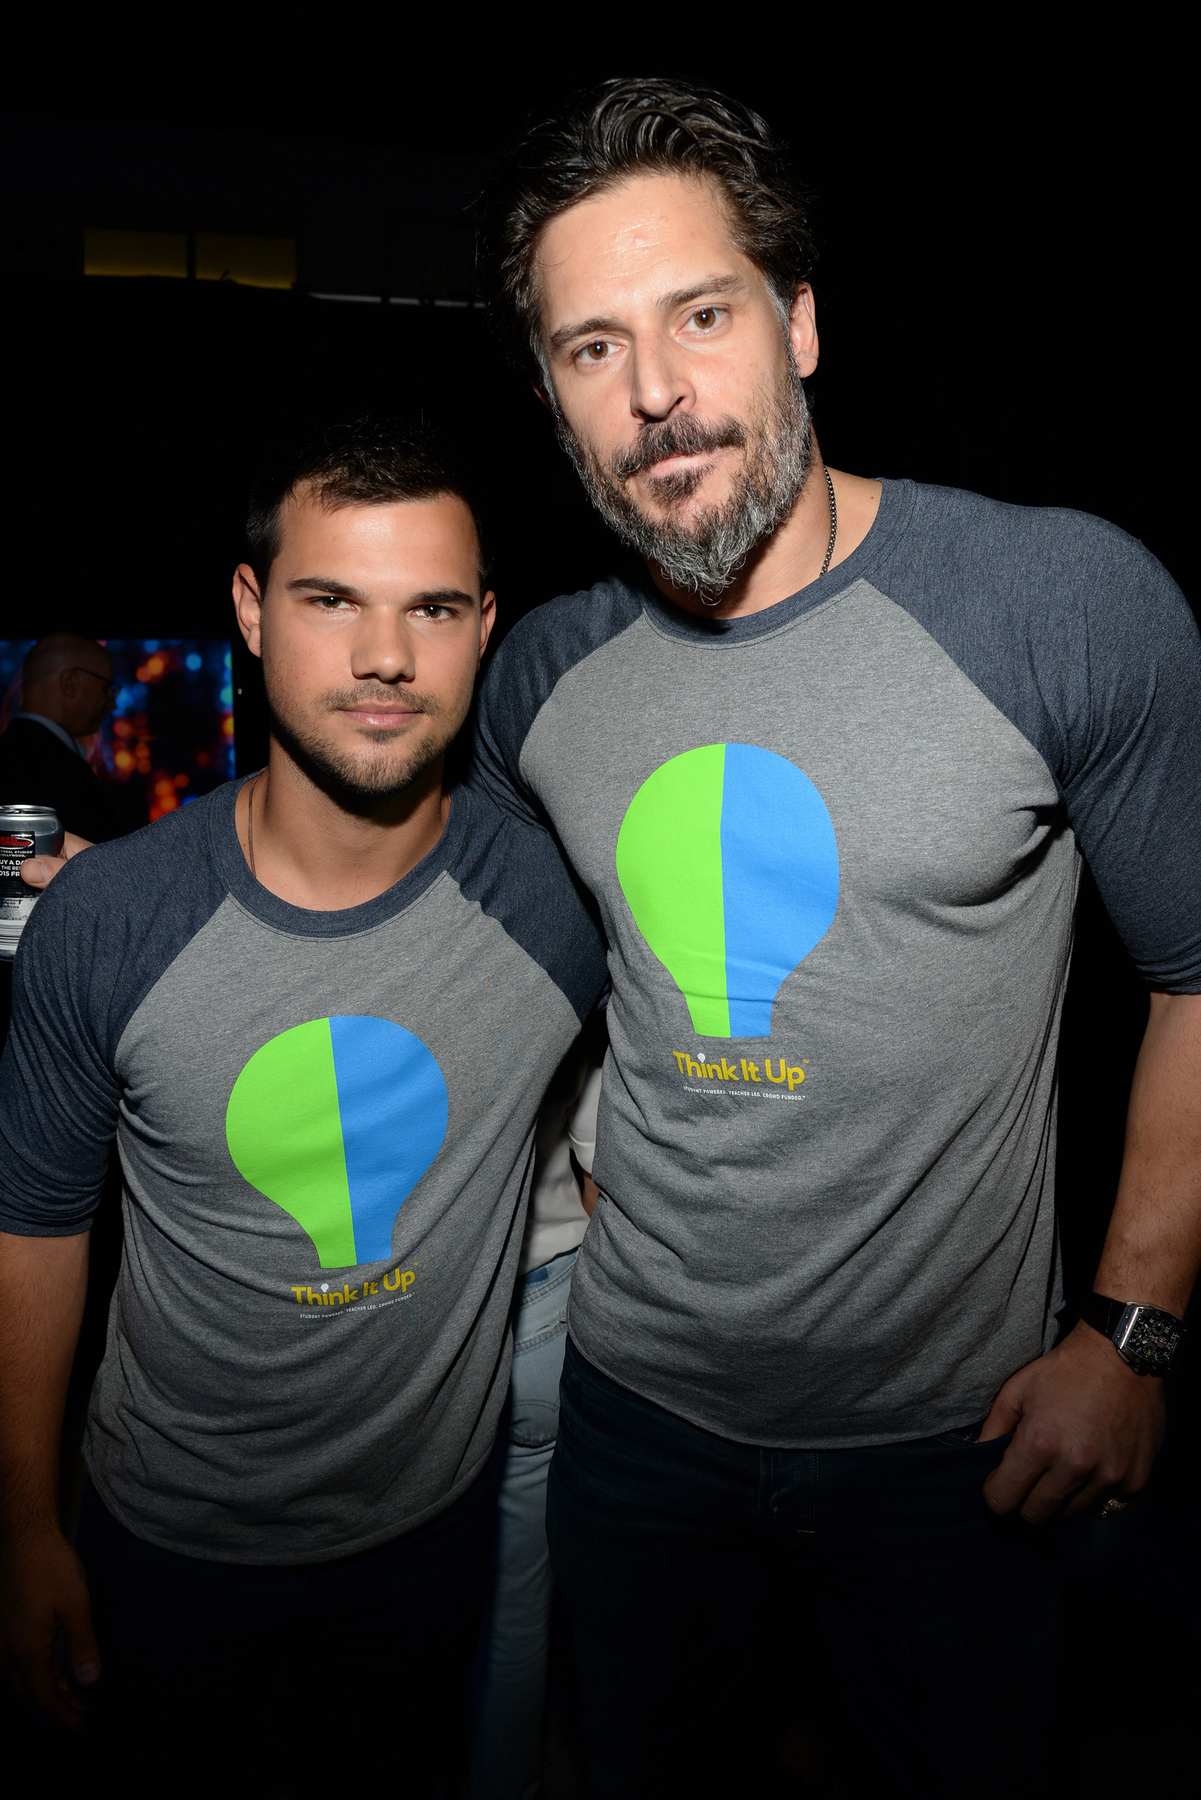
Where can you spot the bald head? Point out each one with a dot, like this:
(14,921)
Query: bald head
(67,678)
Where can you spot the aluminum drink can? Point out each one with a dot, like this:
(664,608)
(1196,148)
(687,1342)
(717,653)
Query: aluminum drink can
(25,831)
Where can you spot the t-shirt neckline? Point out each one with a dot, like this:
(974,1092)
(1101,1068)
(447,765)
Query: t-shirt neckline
(299,921)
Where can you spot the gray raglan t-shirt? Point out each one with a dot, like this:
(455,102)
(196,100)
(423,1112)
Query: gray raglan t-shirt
(325,1123)
(835,846)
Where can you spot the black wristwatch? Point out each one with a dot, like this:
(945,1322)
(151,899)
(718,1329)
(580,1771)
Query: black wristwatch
(1144,1336)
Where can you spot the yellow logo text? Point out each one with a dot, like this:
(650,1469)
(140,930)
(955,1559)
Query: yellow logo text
(746,1069)
(346,1295)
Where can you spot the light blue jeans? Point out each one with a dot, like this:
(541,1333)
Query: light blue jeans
(506,1748)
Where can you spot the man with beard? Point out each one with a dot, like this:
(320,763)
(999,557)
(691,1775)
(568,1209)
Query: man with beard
(847,744)
(319,1009)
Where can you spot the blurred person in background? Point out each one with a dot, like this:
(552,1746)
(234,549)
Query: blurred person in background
(66,693)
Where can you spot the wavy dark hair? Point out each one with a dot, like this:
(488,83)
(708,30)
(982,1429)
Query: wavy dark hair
(629,126)
(366,461)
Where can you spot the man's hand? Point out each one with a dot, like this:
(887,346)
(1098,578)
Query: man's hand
(1085,1426)
(39,871)
(43,1594)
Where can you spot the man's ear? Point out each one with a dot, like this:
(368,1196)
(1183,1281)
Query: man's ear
(802,330)
(542,384)
(248,605)
(487,618)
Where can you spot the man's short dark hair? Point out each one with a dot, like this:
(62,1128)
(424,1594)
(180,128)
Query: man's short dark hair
(626,127)
(363,462)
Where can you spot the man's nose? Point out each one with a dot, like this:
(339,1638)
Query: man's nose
(383,648)
(660,382)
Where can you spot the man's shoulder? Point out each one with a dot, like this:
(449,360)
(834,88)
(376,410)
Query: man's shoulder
(117,916)
(1051,577)
(29,741)
(502,851)
(562,632)
(1005,535)
(540,652)
(137,872)
(515,871)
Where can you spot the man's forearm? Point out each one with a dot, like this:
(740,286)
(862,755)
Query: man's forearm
(1152,1250)
(43,1281)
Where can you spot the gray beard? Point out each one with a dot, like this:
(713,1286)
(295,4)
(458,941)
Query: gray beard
(705,557)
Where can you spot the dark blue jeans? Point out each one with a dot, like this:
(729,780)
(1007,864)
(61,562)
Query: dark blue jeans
(937,1622)
(288,1678)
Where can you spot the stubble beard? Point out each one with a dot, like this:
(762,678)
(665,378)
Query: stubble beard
(705,556)
(360,784)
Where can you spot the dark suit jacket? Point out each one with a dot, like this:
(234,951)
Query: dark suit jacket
(37,769)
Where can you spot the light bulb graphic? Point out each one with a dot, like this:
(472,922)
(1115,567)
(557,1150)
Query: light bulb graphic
(729,864)
(336,1121)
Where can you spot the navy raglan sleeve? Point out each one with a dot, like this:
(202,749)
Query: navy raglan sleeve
(505,710)
(518,876)
(58,1092)
(1132,780)
(97,941)
(1084,642)
(526,672)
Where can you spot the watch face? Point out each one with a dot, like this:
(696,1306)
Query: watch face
(1149,1340)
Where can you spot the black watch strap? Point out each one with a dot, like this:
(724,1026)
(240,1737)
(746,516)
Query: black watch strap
(1144,1336)
(1102,1313)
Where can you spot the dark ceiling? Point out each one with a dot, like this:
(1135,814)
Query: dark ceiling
(1004,296)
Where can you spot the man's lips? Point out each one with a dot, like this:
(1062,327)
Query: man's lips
(381,717)
(671,465)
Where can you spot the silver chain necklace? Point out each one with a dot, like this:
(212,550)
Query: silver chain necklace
(829,544)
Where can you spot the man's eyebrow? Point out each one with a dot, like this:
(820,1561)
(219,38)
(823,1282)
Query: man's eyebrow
(585,328)
(324,585)
(320,584)
(716,284)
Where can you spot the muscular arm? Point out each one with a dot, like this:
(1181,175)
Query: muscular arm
(44,1281)
(1084,1423)
(1153,1248)
(59,1103)
(42,1589)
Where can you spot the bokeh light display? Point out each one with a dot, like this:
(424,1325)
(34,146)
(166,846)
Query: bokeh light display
(169,737)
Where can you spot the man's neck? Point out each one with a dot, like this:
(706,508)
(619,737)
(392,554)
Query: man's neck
(308,850)
(792,557)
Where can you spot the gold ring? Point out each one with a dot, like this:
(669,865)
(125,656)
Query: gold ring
(1112,1507)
